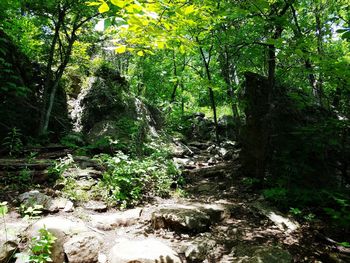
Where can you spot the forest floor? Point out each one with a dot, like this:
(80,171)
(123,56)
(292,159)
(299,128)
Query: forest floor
(220,219)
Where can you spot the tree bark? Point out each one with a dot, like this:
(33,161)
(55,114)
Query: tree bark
(211,92)
(56,83)
(48,74)
(52,82)
(229,74)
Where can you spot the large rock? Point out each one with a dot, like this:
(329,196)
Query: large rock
(261,254)
(227,127)
(12,231)
(7,250)
(61,228)
(83,248)
(97,206)
(111,221)
(10,237)
(145,251)
(282,222)
(79,173)
(32,198)
(198,250)
(255,131)
(187,218)
(180,150)
(104,111)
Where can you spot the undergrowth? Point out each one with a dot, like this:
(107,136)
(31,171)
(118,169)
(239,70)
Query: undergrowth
(129,180)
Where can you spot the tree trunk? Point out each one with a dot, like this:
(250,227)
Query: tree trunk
(211,92)
(55,85)
(48,75)
(229,74)
(173,94)
(319,83)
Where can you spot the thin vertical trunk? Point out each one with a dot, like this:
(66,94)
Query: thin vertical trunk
(48,74)
(211,92)
(230,75)
(319,83)
(307,62)
(56,83)
(52,82)
(173,94)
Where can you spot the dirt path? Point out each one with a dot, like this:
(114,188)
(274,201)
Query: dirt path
(219,219)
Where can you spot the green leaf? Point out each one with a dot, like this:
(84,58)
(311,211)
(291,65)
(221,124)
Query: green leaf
(93,3)
(120,49)
(103,8)
(182,49)
(3,208)
(119,3)
(140,53)
(189,10)
(344,244)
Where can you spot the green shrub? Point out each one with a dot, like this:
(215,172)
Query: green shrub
(129,180)
(13,142)
(73,140)
(41,247)
(339,212)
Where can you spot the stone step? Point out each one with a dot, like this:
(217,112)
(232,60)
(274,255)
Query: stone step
(218,170)
(19,164)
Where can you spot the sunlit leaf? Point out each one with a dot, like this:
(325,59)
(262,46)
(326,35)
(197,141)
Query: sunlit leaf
(189,10)
(140,53)
(182,49)
(93,3)
(103,8)
(120,3)
(134,8)
(120,49)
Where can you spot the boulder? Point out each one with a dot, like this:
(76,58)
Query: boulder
(77,172)
(97,206)
(7,250)
(254,134)
(106,114)
(10,237)
(111,221)
(227,127)
(145,251)
(282,222)
(180,150)
(12,232)
(181,220)
(61,228)
(186,218)
(63,204)
(32,198)
(83,248)
(199,249)
(260,254)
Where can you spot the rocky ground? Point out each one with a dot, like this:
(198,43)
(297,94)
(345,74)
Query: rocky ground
(219,220)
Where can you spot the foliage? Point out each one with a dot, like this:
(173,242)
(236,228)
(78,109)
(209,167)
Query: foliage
(340,211)
(41,247)
(129,180)
(58,168)
(30,212)
(73,140)
(183,57)
(3,213)
(3,209)
(13,142)
(72,190)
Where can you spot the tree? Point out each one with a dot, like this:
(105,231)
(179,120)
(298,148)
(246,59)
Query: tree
(63,22)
